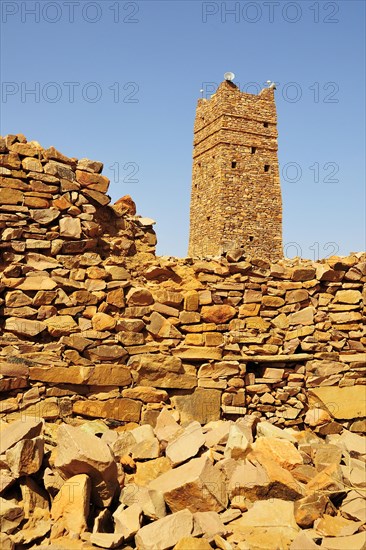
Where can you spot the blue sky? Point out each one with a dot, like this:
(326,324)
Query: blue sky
(118,82)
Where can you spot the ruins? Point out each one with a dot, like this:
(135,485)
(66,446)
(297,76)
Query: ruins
(189,403)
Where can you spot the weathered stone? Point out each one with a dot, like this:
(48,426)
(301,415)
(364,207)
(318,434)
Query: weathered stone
(310,508)
(79,452)
(192,543)
(25,457)
(127,521)
(342,403)
(148,471)
(185,444)
(281,451)
(125,410)
(24,327)
(17,431)
(102,321)
(184,486)
(352,542)
(70,228)
(11,515)
(145,394)
(266,521)
(70,508)
(165,532)
(139,297)
(202,405)
(160,371)
(61,325)
(218,314)
(335,526)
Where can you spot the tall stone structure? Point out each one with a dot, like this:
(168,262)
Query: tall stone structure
(236,195)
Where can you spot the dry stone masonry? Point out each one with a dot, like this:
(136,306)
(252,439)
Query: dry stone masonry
(183,403)
(236,195)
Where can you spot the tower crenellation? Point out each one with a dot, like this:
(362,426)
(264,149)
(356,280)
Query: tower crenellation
(236,195)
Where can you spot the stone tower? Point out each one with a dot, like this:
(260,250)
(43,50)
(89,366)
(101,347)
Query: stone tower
(236,194)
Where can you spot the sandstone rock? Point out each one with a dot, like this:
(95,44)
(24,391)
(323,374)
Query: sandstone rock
(125,410)
(185,444)
(24,327)
(266,521)
(348,296)
(139,297)
(6,542)
(302,541)
(263,479)
(127,521)
(116,298)
(160,371)
(70,227)
(217,432)
(79,452)
(37,282)
(203,405)
(25,457)
(45,216)
(148,471)
(106,540)
(150,501)
(353,507)
(342,403)
(218,314)
(267,429)
(309,509)
(166,426)
(166,532)
(192,543)
(302,317)
(70,508)
(61,325)
(280,450)
(145,394)
(17,431)
(237,443)
(335,526)
(11,515)
(208,524)
(195,485)
(352,542)
(197,353)
(102,321)
(33,497)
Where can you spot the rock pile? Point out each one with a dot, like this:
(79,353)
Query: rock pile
(244,485)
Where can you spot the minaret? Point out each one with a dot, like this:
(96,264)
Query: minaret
(236,194)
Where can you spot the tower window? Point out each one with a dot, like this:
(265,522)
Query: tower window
(251,238)
(265,124)
(208,218)
(253,150)
(233,164)
(266,167)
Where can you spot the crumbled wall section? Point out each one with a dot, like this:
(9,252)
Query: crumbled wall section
(236,195)
(94,325)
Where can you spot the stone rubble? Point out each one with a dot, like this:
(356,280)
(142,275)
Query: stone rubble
(198,393)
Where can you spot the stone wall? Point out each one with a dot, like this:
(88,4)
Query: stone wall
(236,194)
(95,325)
